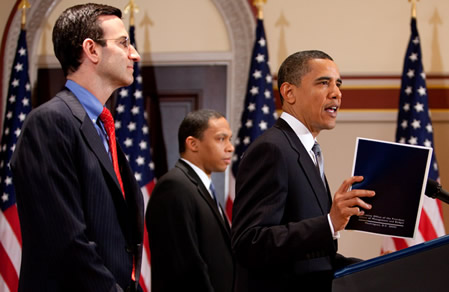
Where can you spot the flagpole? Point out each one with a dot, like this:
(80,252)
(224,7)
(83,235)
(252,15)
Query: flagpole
(131,8)
(24,5)
(413,8)
(259,5)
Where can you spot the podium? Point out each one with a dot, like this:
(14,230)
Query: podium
(422,267)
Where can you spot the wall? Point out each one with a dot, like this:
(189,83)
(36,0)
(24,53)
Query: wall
(5,11)
(164,26)
(366,38)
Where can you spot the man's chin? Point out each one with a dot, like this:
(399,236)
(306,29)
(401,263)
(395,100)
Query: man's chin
(330,124)
(221,168)
(329,128)
(123,84)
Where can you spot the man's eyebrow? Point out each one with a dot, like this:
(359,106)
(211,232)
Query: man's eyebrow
(327,78)
(222,134)
(323,78)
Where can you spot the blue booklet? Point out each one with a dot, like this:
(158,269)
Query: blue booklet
(398,174)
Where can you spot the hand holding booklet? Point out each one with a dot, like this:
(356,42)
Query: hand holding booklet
(398,175)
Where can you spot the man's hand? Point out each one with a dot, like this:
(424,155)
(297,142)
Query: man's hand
(348,203)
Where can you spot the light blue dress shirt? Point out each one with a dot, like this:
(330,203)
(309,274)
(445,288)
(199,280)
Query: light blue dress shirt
(93,108)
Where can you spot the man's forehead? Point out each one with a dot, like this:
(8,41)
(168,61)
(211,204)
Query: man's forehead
(111,24)
(105,18)
(320,63)
(218,123)
(324,67)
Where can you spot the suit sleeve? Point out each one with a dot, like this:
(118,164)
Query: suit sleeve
(260,233)
(172,224)
(45,172)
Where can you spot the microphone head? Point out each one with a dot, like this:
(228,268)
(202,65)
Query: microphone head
(432,188)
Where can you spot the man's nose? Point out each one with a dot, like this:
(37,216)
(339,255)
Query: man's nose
(133,54)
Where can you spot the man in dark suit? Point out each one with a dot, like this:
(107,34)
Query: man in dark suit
(285,225)
(80,207)
(188,232)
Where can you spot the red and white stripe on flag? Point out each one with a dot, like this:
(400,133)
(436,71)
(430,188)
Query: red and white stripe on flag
(430,227)
(145,274)
(230,197)
(10,249)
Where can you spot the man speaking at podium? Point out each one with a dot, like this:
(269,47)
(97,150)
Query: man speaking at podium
(285,226)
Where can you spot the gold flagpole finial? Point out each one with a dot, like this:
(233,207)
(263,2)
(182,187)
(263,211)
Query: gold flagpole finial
(23,5)
(131,8)
(259,5)
(413,7)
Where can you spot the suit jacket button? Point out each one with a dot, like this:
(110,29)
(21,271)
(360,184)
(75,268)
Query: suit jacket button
(129,250)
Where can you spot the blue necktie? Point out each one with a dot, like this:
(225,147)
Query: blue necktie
(212,190)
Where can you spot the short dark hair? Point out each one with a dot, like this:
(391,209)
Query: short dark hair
(296,66)
(73,26)
(194,124)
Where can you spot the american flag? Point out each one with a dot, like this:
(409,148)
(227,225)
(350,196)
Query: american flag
(259,109)
(133,134)
(415,127)
(18,105)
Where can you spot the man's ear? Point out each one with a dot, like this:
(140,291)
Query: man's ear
(192,144)
(91,50)
(287,91)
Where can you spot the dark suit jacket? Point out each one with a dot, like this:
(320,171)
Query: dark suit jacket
(78,232)
(189,241)
(280,232)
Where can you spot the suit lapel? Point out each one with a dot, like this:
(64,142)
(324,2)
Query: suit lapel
(321,193)
(90,134)
(204,193)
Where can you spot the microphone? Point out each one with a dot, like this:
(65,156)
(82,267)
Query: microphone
(435,190)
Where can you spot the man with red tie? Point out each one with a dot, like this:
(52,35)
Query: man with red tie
(80,207)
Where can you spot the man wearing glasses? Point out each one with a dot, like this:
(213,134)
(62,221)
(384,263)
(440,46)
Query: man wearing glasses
(80,207)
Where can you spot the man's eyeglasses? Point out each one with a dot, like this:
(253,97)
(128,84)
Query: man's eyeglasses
(123,41)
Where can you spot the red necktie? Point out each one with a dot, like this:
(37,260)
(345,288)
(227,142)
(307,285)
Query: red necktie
(109,126)
(108,123)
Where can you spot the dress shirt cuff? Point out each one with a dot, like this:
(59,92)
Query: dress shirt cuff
(335,235)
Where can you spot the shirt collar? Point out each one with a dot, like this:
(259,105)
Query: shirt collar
(202,175)
(300,130)
(90,103)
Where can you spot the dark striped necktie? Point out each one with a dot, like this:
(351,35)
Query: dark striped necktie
(319,160)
